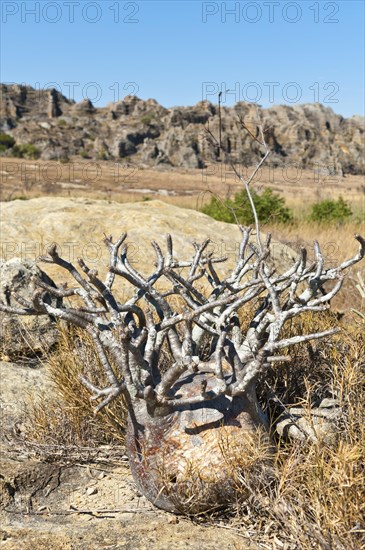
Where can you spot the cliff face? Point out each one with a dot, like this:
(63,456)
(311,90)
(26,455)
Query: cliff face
(146,133)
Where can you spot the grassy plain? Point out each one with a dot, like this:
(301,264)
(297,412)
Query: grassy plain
(125,182)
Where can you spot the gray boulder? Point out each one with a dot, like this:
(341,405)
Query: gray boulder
(26,335)
(318,423)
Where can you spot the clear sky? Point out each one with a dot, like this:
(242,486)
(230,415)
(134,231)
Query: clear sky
(180,52)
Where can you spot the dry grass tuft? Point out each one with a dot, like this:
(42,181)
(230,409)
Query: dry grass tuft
(66,417)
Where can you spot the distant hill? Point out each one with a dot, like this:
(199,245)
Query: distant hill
(147,133)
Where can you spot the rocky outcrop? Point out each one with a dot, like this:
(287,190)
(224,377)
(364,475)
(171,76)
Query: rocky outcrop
(22,336)
(83,108)
(144,132)
(23,102)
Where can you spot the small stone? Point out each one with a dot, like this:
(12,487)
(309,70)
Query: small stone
(173,520)
(91,491)
(3,535)
(328,403)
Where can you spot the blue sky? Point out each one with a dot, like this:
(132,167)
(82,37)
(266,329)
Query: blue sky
(181,52)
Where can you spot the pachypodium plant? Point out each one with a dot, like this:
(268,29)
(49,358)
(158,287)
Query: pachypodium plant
(187,418)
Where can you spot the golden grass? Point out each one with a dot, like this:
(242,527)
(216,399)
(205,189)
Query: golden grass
(125,182)
(66,417)
(337,241)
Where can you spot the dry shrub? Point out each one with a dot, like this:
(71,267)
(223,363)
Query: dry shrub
(65,416)
(311,363)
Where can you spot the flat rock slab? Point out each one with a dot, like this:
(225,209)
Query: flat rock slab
(78,226)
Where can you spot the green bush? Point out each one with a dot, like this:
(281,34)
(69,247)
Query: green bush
(64,158)
(102,155)
(27,151)
(147,119)
(269,207)
(330,210)
(6,142)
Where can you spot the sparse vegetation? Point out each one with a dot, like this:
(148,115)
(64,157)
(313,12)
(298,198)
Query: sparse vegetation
(147,119)
(129,354)
(316,497)
(67,419)
(309,495)
(102,155)
(64,159)
(360,287)
(84,154)
(6,142)
(26,151)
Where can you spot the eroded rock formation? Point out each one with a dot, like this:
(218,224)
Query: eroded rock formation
(144,132)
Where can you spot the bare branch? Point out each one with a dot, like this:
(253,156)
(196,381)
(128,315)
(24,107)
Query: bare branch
(272,346)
